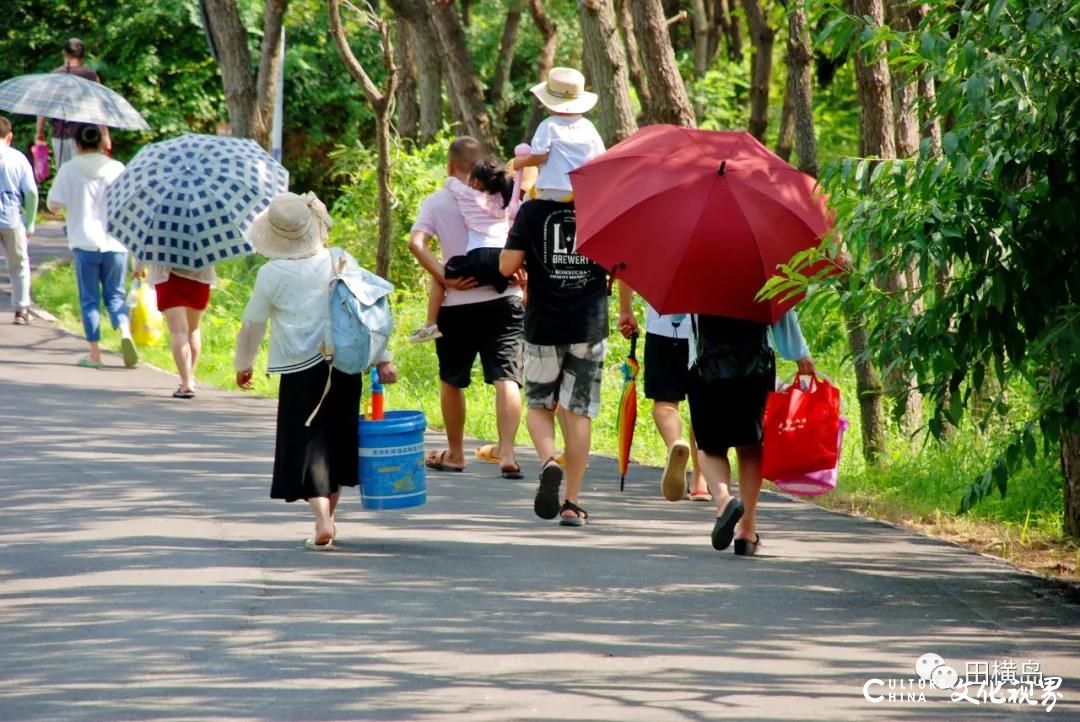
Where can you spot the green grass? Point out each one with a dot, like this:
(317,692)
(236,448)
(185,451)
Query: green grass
(918,480)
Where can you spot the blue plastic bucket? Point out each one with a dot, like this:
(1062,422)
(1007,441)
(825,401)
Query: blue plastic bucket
(392,461)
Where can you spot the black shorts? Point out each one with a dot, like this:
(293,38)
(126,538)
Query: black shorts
(494,329)
(728,413)
(666,372)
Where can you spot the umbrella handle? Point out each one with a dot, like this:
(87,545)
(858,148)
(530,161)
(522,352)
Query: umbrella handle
(633,345)
(611,277)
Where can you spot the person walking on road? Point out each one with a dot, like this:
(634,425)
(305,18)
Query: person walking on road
(100,259)
(566,326)
(474,320)
(733,369)
(63,132)
(183,295)
(292,292)
(18,209)
(667,354)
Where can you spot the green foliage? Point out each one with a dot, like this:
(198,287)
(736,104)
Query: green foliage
(998,340)
(154,54)
(416,172)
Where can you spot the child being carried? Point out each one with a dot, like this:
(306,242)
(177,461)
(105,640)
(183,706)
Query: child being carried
(483,204)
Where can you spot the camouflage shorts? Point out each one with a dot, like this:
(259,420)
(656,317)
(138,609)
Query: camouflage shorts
(565,375)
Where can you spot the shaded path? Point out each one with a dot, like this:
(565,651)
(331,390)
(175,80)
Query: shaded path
(144,574)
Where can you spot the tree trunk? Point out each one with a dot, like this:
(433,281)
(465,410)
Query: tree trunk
(701,37)
(545,62)
(408,108)
(633,59)
(382,102)
(785,136)
(761,37)
(877,136)
(868,389)
(666,85)
(1070,471)
(269,68)
(605,58)
(238,81)
(430,77)
(429,64)
(731,30)
(505,60)
(464,82)
(800,55)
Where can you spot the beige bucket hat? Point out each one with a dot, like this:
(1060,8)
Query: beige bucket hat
(564,92)
(291,227)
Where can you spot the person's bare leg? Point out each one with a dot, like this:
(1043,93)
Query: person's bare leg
(176,318)
(717,472)
(507,418)
(668,421)
(95,351)
(577,432)
(698,485)
(333,508)
(749,489)
(541,424)
(324,523)
(452,400)
(194,339)
(436,295)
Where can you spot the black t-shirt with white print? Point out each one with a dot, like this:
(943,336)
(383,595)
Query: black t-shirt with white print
(567,300)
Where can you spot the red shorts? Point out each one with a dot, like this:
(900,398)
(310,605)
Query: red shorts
(180,291)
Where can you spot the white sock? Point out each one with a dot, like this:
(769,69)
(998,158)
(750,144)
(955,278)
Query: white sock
(125,328)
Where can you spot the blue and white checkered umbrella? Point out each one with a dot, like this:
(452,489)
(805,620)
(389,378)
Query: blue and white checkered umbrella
(188,202)
(66,96)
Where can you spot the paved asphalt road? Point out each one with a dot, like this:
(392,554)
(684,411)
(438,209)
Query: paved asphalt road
(145,575)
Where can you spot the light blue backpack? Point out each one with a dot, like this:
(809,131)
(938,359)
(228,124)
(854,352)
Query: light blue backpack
(359,323)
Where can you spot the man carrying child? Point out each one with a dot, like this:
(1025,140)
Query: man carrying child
(566,319)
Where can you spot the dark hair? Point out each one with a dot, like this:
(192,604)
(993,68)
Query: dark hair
(5,127)
(75,48)
(494,178)
(88,137)
(464,152)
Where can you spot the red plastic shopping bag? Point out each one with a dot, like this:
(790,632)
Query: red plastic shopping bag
(40,153)
(802,428)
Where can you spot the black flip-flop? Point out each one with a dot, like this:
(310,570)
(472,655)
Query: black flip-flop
(441,464)
(181,394)
(747,548)
(723,530)
(546,504)
(511,472)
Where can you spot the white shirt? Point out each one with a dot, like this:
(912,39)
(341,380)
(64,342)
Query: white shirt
(570,142)
(672,325)
(293,294)
(80,188)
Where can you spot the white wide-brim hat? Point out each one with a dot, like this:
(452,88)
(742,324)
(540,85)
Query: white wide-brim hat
(291,227)
(564,92)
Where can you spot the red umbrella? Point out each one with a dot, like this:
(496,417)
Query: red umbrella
(696,221)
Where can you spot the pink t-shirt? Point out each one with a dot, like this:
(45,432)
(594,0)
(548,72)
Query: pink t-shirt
(439,216)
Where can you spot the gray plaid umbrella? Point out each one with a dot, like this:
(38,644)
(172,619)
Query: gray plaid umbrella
(188,201)
(66,96)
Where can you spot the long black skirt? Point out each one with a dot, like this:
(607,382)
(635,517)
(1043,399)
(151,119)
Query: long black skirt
(316,460)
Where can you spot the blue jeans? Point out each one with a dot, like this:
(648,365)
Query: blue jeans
(101,275)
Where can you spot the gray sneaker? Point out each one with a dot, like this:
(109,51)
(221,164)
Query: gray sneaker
(22,318)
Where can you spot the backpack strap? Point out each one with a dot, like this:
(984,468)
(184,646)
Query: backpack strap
(337,265)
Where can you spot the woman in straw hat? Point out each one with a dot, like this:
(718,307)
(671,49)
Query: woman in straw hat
(292,294)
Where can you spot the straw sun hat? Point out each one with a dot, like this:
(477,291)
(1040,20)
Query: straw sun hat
(291,227)
(564,92)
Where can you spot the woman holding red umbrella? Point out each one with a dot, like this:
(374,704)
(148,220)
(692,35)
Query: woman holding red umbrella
(697,222)
(732,371)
